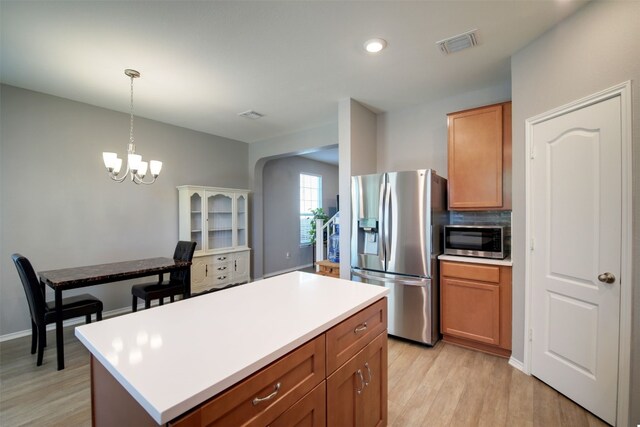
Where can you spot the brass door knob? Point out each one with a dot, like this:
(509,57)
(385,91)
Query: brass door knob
(606,278)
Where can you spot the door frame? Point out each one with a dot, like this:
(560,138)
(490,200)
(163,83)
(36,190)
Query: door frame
(622,90)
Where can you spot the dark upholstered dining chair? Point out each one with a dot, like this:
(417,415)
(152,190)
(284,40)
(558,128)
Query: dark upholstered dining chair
(151,291)
(44,313)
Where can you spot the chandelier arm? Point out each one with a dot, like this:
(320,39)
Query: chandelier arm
(137,180)
(116,178)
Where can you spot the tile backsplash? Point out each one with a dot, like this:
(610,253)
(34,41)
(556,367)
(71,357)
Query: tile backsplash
(481,218)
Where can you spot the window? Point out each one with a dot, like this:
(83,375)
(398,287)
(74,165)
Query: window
(310,198)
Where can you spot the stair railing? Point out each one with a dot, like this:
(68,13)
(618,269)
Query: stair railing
(330,226)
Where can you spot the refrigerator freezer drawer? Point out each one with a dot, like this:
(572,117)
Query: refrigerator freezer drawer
(412,304)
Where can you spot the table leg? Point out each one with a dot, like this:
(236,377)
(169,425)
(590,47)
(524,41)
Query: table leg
(187,283)
(59,331)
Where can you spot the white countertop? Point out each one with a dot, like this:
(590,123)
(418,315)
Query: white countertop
(506,262)
(174,357)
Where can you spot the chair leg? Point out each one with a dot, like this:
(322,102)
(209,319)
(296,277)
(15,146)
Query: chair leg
(147,303)
(88,318)
(34,337)
(42,342)
(99,316)
(134,303)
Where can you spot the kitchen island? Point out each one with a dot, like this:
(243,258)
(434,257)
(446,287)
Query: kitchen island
(290,345)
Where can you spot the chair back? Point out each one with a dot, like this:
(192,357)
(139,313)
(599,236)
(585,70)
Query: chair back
(31,285)
(184,252)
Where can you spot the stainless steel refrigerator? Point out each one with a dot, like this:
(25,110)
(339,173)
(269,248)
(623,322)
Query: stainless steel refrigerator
(396,229)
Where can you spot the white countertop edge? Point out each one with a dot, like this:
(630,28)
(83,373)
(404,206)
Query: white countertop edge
(472,260)
(162,416)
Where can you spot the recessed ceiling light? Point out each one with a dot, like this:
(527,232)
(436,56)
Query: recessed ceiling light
(250,114)
(375,45)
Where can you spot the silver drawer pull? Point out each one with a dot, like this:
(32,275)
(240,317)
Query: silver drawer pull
(359,373)
(360,328)
(257,400)
(222,277)
(222,268)
(366,365)
(222,258)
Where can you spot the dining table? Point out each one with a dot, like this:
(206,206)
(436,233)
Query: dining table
(78,277)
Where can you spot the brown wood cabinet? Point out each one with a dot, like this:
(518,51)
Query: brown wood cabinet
(475,306)
(328,268)
(295,390)
(479,153)
(357,391)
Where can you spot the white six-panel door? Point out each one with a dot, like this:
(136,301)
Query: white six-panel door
(576,254)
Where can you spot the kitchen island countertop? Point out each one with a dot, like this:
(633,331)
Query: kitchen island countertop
(174,357)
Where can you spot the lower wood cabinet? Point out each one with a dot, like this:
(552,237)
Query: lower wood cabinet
(337,379)
(475,306)
(357,391)
(308,412)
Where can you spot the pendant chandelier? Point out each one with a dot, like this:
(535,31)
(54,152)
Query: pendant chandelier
(136,169)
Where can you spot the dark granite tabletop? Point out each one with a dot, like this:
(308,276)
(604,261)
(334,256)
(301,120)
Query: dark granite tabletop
(69,278)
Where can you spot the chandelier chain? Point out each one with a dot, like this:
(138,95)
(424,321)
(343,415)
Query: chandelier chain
(131,110)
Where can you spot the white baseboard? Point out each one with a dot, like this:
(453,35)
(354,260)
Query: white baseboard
(288,270)
(70,322)
(517,364)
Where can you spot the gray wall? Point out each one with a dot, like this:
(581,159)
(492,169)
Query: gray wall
(259,154)
(594,49)
(416,138)
(281,181)
(59,208)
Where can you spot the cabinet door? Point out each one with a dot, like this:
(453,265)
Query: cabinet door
(374,395)
(219,220)
(357,391)
(475,158)
(199,278)
(471,310)
(241,214)
(241,267)
(197,218)
(310,411)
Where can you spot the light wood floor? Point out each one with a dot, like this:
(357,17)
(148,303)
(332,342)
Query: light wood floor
(441,386)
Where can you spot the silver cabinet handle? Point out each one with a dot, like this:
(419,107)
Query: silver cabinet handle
(606,277)
(222,268)
(359,373)
(366,365)
(222,277)
(222,258)
(360,328)
(257,400)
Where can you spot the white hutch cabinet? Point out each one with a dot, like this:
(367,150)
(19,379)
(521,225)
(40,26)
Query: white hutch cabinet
(216,219)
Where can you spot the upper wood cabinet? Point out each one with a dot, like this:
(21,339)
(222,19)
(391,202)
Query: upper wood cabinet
(479,153)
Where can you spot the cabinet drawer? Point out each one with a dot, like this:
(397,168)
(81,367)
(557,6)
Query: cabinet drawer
(261,398)
(352,335)
(483,273)
(221,259)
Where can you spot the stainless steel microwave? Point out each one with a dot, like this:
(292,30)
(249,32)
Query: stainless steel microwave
(484,241)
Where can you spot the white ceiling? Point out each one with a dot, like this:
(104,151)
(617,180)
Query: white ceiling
(202,62)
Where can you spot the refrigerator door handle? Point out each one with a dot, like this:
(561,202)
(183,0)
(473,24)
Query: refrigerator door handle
(381,223)
(396,280)
(387,222)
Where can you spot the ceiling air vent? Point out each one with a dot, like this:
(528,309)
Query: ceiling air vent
(250,114)
(459,42)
